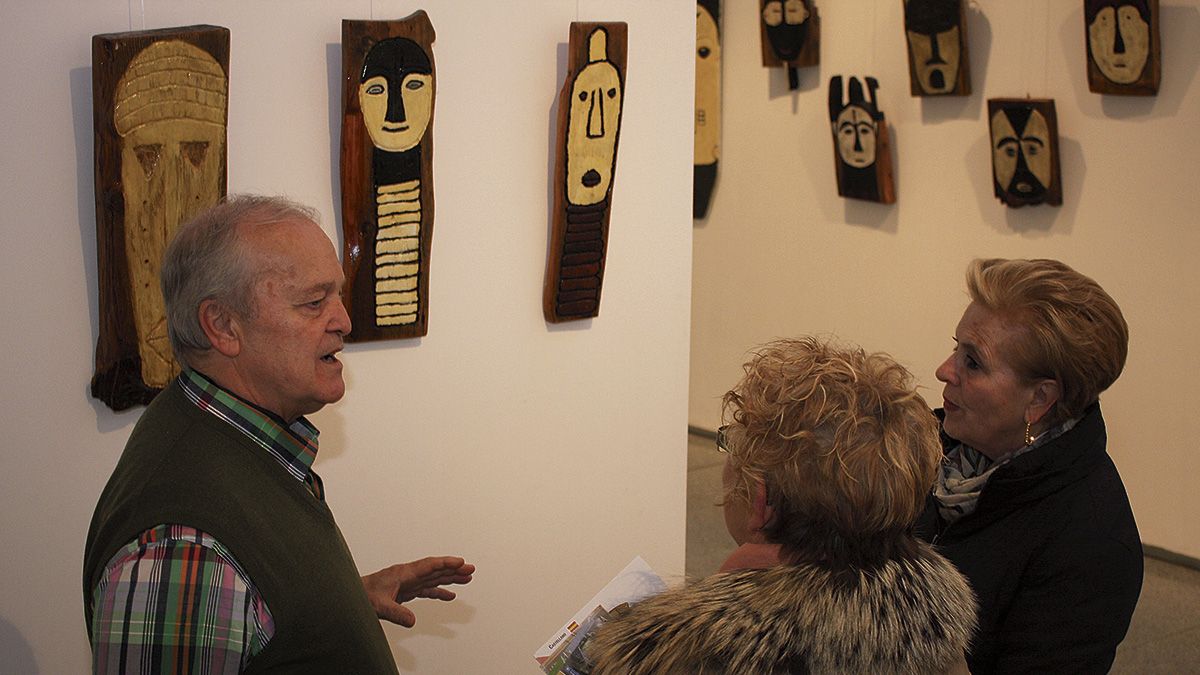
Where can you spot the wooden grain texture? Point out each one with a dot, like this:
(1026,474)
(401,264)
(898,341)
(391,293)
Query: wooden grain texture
(159,115)
(368,243)
(1025,158)
(941,24)
(589,111)
(809,53)
(1144,84)
(707,150)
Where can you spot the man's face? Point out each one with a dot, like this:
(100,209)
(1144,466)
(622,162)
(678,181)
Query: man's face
(855,132)
(287,358)
(1119,39)
(1022,159)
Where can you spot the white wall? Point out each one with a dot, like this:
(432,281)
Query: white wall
(549,456)
(781,254)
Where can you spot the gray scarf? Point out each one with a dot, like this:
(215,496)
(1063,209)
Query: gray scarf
(965,471)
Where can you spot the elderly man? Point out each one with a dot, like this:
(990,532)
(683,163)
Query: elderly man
(212,548)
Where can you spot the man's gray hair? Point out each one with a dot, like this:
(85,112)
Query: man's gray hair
(207,261)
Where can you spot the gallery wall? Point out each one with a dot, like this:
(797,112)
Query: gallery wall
(781,254)
(547,455)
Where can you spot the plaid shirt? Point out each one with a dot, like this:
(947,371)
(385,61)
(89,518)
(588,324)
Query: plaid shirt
(176,600)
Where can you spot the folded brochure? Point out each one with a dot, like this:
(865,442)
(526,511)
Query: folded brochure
(564,652)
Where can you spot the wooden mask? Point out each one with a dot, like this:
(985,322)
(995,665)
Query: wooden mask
(790,31)
(1025,167)
(708,104)
(1124,53)
(159,115)
(388,89)
(589,126)
(936,32)
(862,152)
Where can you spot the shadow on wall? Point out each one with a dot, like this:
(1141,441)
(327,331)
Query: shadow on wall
(434,619)
(17,654)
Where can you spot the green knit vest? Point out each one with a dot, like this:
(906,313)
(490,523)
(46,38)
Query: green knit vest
(185,466)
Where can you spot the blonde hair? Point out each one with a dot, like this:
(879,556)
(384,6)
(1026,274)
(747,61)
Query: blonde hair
(843,442)
(1069,329)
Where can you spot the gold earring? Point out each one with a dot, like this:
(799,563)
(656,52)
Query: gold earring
(1028,434)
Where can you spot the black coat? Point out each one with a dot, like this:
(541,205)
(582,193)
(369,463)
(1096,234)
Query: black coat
(1053,553)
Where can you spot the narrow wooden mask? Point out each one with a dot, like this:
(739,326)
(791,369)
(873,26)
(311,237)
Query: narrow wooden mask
(790,32)
(708,104)
(1124,52)
(159,112)
(936,33)
(862,151)
(1025,166)
(589,126)
(388,90)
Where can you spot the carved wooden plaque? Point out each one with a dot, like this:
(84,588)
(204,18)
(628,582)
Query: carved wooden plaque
(1124,51)
(708,104)
(790,32)
(388,90)
(862,151)
(1025,167)
(159,112)
(936,33)
(589,126)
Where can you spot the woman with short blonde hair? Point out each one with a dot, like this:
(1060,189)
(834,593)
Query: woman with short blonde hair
(1028,503)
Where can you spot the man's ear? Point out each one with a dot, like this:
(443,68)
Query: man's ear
(222,327)
(1046,393)
(761,511)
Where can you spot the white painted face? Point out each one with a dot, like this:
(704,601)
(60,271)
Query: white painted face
(1120,42)
(936,74)
(855,131)
(593,121)
(397,120)
(708,88)
(1032,144)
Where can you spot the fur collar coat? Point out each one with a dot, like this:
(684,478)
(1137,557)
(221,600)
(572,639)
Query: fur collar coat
(914,614)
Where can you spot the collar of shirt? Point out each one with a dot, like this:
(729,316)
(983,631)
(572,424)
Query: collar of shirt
(294,446)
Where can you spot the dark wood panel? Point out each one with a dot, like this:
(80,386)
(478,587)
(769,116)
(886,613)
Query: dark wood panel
(589,123)
(159,113)
(388,96)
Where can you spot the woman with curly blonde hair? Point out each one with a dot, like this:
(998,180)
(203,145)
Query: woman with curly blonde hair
(830,456)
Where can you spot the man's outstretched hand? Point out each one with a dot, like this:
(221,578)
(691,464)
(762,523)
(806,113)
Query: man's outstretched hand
(389,588)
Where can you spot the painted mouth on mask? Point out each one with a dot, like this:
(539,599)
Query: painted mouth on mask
(937,79)
(591,178)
